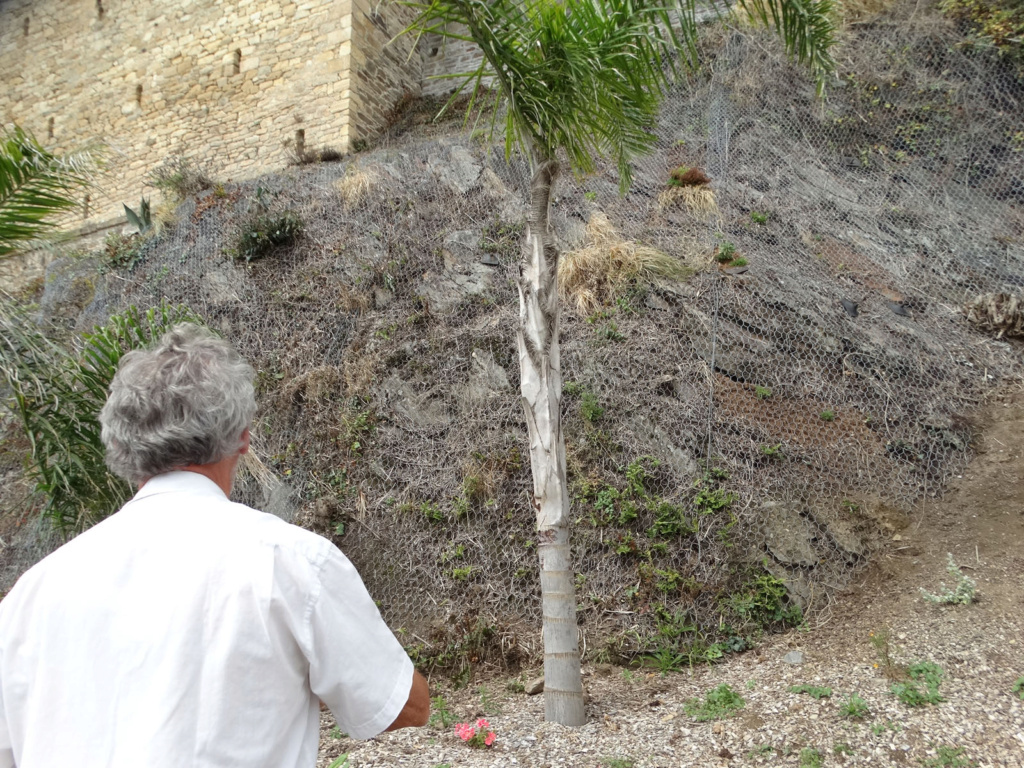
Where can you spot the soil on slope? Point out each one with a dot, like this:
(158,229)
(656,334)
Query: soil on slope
(639,716)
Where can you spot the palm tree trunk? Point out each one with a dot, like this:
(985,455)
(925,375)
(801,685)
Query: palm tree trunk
(541,388)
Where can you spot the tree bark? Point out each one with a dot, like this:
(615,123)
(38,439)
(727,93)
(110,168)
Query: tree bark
(541,388)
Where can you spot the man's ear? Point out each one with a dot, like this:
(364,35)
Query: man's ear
(245,442)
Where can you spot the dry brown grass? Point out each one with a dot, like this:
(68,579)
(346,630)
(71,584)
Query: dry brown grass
(596,273)
(699,200)
(858,10)
(355,185)
(999,313)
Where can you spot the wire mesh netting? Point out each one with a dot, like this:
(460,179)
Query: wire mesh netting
(768,420)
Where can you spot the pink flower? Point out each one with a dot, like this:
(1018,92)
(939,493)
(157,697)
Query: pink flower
(464,731)
(481,723)
(489,739)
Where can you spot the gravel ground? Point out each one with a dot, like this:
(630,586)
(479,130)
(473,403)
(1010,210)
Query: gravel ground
(639,718)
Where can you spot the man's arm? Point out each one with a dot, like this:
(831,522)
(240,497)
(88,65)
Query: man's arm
(416,711)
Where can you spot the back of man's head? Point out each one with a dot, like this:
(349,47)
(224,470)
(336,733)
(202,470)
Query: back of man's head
(184,402)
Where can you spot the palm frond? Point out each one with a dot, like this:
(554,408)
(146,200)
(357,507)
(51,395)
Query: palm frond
(588,76)
(57,392)
(36,186)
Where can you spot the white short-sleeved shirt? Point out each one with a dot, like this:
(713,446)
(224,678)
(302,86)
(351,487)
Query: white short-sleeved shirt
(187,630)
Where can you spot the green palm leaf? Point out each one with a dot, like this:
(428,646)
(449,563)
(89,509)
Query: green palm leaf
(36,186)
(588,76)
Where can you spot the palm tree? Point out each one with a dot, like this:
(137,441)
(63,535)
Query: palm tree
(585,78)
(36,186)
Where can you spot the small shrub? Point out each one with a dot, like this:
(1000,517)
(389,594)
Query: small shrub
(720,702)
(814,691)
(123,252)
(739,262)
(921,673)
(758,217)
(772,451)
(178,178)
(963,593)
(811,758)
(854,708)
(762,393)
(260,235)
(726,252)
(590,410)
(828,415)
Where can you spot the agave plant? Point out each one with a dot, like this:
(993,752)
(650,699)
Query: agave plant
(36,186)
(57,392)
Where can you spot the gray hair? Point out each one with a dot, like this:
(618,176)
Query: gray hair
(186,401)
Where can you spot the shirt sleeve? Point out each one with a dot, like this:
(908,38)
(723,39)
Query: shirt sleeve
(357,666)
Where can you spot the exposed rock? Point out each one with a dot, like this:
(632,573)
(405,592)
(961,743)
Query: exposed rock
(788,534)
(218,288)
(417,408)
(74,293)
(794,657)
(459,170)
(486,377)
(535,686)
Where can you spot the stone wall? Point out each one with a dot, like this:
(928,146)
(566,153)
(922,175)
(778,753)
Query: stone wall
(236,85)
(383,71)
(444,57)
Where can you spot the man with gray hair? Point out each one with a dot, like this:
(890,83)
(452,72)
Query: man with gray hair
(187,630)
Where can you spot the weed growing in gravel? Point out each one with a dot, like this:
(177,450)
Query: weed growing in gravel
(880,641)
(337,733)
(828,415)
(341,761)
(963,593)
(762,393)
(751,684)
(441,716)
(842,748)
(814,691)
(761,751)
(949,757)
(811,758)
(1018,687)
(617,762)
(921,673)
(854,708)
(487,702)
(720,702)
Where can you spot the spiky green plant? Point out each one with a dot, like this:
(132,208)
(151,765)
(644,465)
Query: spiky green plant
(36,186)
(57,391)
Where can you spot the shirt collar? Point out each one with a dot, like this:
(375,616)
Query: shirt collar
(180,481)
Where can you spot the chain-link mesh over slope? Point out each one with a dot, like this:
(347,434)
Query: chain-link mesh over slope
(773,416)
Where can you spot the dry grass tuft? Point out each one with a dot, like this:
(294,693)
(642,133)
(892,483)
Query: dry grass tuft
(252,464)
(595,274)
(1001,313)
(700,200)
(355,185)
